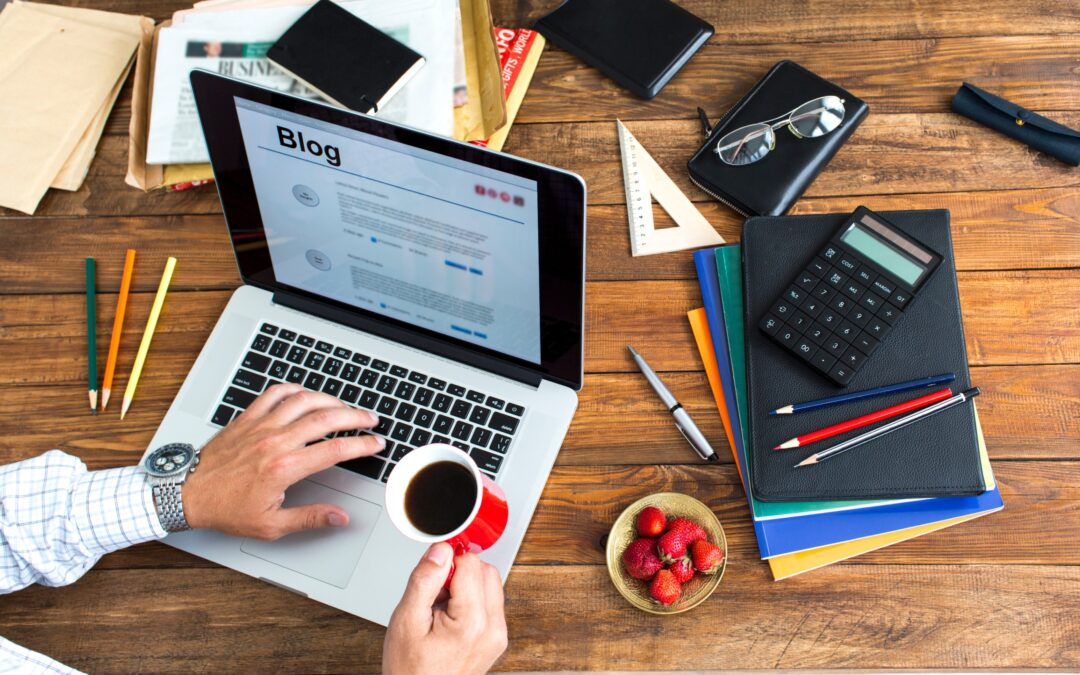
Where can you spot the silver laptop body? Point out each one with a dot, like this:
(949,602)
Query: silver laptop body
(363,568)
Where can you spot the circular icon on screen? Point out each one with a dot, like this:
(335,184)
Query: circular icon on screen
(318,259)
(305,195)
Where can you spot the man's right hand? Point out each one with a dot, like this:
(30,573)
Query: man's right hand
(239,486)
(459,635)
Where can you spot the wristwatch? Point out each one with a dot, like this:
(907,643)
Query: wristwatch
(168,468)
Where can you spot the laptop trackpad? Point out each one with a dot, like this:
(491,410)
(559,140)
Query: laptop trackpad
(329,554)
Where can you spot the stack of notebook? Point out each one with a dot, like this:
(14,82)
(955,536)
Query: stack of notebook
(891,498)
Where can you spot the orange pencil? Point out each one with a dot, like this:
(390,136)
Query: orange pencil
(118,325)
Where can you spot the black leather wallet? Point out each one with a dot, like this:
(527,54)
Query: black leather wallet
(938,456)
(640,44)
(771,185)
(1023,125)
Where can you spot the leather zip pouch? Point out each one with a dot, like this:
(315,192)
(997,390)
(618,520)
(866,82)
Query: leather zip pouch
(1056,140)
(771,185)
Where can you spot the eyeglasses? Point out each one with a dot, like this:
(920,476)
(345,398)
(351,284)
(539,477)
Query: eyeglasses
(753,142)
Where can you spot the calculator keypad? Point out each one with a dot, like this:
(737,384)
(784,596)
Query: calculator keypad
(835,313)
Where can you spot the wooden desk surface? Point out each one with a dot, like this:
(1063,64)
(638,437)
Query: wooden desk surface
(1000,592)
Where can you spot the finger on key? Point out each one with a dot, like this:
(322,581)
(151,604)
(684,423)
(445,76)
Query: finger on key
(300,404)
(270,398)
(322,421)
(326,454)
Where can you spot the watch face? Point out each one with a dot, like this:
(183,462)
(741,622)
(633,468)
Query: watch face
(169,459)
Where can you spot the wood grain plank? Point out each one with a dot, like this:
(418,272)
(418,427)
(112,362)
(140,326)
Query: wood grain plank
(580,503)
(927,152)
(1037,526)
(42,336)
(851,616)
(892,76)
(788,21)
(618,313)
(1008,229)
(887,154)
(1012,398)
(38,330)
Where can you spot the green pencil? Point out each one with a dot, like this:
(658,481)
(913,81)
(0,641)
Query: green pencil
(91,334)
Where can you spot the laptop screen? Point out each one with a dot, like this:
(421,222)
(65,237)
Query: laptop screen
(473,255)
(431,240)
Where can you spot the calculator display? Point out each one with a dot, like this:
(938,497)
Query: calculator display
(860,238)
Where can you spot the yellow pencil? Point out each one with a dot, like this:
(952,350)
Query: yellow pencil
(148,334)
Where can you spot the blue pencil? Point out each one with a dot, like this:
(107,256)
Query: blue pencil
(931,381)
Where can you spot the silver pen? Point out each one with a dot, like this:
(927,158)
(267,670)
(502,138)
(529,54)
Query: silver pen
(683,423)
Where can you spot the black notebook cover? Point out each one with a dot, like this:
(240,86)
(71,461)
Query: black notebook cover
(640,44)
(771,186)
(347,60)
(937,456)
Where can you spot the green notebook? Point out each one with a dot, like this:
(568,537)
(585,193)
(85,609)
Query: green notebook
(729,271)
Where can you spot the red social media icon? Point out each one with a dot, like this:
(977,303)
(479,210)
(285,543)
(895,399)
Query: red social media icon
(519,200)
(505,196)
(480,189)
(492,193)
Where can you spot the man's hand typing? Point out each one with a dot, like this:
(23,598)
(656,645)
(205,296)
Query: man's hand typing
(239,485)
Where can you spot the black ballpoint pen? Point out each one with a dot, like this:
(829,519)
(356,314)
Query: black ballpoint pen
(683,423)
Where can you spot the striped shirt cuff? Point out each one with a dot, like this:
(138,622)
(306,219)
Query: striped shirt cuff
(16,659)
(114,509)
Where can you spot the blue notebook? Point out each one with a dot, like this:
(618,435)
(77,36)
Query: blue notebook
(709,281)
(801,533)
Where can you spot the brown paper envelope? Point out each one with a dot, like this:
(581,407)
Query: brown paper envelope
(485,111)
(74,171)
(58,71)
(140,174)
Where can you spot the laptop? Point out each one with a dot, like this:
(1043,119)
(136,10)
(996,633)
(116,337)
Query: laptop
(436,283)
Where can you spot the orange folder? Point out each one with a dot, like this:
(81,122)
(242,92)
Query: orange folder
(789,565)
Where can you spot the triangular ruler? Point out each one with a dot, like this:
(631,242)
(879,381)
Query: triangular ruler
(644,181)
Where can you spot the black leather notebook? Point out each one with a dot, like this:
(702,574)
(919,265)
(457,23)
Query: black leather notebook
(937,456)
(346,60)
(771,185)
(640,44)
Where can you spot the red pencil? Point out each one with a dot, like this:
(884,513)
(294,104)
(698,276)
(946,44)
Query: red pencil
(884,414)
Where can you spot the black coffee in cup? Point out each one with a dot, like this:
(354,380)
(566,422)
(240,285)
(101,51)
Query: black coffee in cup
(440,497)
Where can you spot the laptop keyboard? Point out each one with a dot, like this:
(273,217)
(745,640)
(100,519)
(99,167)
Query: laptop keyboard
(413,408)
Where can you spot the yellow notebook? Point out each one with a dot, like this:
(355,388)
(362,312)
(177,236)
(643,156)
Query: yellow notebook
(789,565)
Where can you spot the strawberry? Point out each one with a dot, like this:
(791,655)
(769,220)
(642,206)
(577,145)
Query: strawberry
(683,570)
(640,559)
(651,522)
(707,557)
(665,588)
(671,546)
(691,531)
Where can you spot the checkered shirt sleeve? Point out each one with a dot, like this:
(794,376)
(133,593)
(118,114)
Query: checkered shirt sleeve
(56,520)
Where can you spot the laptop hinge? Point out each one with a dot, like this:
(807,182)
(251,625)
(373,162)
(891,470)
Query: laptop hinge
(408,337)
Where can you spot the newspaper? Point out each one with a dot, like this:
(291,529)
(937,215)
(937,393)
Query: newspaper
(234,43)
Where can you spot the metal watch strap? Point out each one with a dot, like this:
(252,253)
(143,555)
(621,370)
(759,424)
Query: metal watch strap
(170,507)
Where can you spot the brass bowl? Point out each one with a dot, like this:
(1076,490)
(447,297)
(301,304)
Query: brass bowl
(624,532)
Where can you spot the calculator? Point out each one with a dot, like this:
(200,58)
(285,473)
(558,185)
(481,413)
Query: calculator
(835,313)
